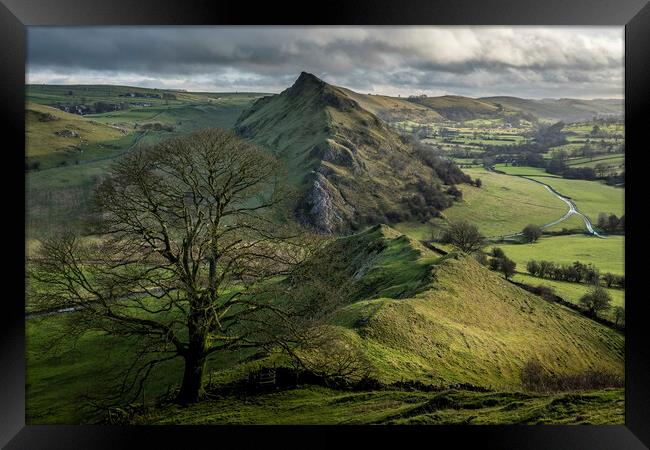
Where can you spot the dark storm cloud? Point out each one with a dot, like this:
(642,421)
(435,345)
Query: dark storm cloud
(549,61)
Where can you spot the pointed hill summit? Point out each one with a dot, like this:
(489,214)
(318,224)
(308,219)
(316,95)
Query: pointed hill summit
(350,167)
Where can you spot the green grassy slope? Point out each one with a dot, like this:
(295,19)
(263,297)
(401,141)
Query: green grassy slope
(57,194)
(456,107)
(413,314)
(43,144)
(394,109)
(470,325)
(349,166)
(63,373)
(466,325)
(505,204)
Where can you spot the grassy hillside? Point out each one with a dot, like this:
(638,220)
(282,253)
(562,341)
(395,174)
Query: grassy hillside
(568,110)
(470,325)
(351,169)
(591,197)
(395,109)
(456,107)
(53,136)
(505,204)
(413,314)
(68,166)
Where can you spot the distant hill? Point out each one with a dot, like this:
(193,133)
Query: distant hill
(350,166)
(456,108)
(394,109)
(52,135)
(565,109)
(423,109)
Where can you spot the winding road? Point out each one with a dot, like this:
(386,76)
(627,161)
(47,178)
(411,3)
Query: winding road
(570,203)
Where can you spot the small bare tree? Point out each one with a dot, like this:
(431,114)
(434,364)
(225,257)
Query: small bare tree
(189,255)
(464,236)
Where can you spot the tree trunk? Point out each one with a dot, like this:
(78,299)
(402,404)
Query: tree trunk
(195,359)
(192,387)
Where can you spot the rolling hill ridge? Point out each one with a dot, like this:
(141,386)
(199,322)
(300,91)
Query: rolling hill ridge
(350,167)
(449,319)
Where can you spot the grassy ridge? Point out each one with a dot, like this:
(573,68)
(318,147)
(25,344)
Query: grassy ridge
(470,325)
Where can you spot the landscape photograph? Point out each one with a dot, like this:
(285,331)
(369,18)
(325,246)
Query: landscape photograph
(323,225)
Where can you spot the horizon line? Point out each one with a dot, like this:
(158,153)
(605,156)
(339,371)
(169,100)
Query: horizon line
(275,93)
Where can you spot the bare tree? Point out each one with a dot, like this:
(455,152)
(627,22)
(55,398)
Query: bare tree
(464,236)
(191,246)
(507,267)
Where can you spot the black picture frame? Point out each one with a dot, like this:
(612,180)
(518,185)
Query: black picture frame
(16,15)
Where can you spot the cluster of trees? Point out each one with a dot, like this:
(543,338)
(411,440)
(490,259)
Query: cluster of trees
(550,135)
(596,300)
(499,262)
(94,108)
(101,107)
(156,126)
(527,158)
(614,280)
(617,179)
(444,169)
(557,166)
(577,272)
(456,193)
(426,203)
(466,237)
(611,223)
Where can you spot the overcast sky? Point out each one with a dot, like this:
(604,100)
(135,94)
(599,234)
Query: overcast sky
(530,62)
